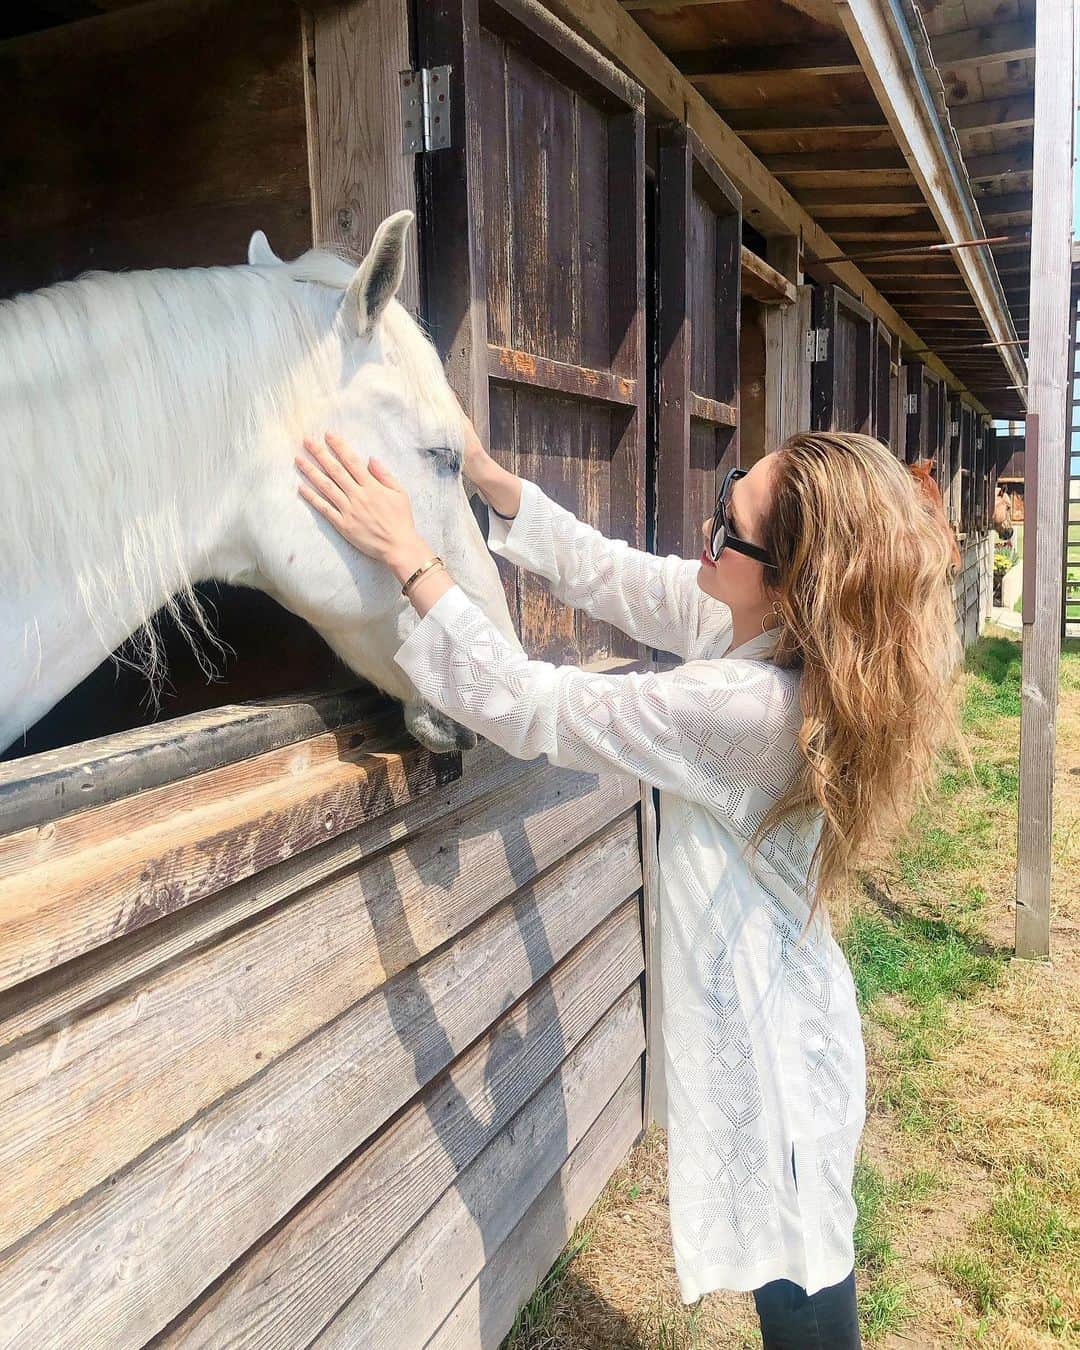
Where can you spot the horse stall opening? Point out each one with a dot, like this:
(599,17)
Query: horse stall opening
(310,1033)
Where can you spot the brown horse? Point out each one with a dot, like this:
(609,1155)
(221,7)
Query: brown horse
(1002,520)
(922,472)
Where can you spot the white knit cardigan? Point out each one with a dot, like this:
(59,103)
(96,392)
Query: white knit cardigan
(764,1070)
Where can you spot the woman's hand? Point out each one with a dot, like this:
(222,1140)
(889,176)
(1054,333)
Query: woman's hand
(498,487)
(476,461)
(365,503)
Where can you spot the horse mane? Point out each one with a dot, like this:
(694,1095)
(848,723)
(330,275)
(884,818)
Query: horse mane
(123,394)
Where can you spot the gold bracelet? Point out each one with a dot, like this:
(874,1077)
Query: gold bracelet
(434,561)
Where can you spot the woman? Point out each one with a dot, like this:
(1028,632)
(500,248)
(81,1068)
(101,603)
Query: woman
(817,637)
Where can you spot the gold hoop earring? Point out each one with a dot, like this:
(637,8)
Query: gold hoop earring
(778,615)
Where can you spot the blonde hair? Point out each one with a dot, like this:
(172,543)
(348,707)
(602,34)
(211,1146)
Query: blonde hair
(863,581)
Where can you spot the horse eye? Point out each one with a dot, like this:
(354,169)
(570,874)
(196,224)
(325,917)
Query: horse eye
(447,458)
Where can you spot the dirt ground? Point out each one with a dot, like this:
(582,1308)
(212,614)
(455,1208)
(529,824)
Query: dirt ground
(968,1183)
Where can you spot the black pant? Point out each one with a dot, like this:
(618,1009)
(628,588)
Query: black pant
(827,1320)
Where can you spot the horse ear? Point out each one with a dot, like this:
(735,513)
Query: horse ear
(378,277)
(260,254)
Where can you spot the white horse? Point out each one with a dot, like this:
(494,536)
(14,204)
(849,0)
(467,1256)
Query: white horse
(148,426)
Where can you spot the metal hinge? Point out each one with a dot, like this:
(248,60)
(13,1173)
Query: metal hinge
(911,403)
(954,428)
(817,344)
(425,109)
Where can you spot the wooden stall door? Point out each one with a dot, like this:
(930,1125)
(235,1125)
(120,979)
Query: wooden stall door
(982,475)
(913,388)
(885,391)
(949,479)
(933,418)
(842,381)
(533,275)
(698,216)
(967,467)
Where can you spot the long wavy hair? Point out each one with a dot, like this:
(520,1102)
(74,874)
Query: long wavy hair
(863,584)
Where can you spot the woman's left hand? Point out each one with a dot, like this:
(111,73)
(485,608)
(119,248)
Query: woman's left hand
(365,503)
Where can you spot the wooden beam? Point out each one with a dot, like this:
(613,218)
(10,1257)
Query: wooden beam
(891,64)
(709,410)
(945,285)
(601,386)
(1018,110)
(942,311)
(666,6)
(1017,216)
(832,57)
(763,282)
(860,201)
(938,268)
(1003,201)
(980,46)
(1048,389)
(767,204)
(825,164)
(793,118)
(893,229)
(821,10)
(999,163)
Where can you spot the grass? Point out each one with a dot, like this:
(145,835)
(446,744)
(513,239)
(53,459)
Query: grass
(968,1182)
(536,1314)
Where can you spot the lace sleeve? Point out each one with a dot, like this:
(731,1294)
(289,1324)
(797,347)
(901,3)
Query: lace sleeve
(655,600)
(721,733)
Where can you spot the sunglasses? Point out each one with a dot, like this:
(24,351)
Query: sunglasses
(722,536)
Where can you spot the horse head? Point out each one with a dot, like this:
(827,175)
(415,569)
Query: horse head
(922,471)
(148,443)
(1002,519)
(391,399)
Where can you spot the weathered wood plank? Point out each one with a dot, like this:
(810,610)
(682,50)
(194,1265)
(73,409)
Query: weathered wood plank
(602,386)
(141,860)
(834,56)
(791,119)
(1049,386)
(291,1285)
(485,1312)
(418,1285)
(55,783)
(654,1107)
(763,282)
(358,49)
(709,410)
(134,1254)
(998,114)
(990,42)
(1000,163)
(79,985)
(809,166)
(77,1105)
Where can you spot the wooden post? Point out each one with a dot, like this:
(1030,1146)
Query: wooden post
(655,1103)
(1048,383)
(785,333)
(352,54)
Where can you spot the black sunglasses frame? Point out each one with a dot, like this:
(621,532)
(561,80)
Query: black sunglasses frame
(722,530)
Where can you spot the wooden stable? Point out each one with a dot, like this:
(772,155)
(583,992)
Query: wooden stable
(310,1035)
